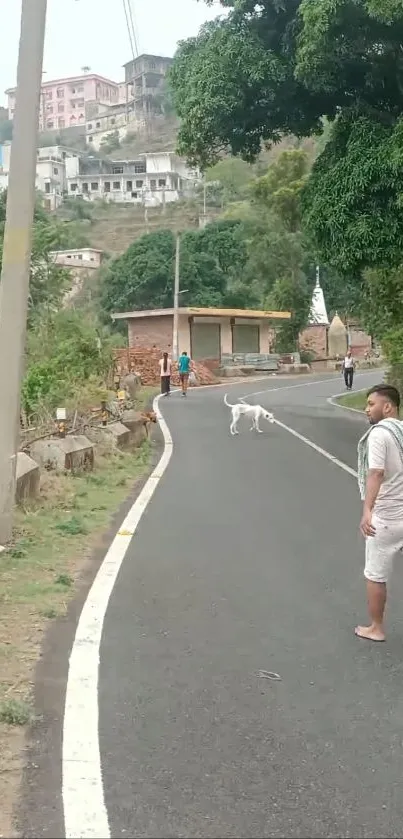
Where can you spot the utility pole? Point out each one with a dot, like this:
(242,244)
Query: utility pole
(14,285)
(175,347)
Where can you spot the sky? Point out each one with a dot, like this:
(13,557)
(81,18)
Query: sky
(83,33)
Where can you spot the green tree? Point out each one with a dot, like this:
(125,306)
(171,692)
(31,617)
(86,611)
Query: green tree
(234,85)
(48,281)
(211,266)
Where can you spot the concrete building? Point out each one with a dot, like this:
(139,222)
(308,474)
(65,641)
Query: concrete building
(81,264)
(52,170)
(118,120)
(63,101)
(145,75)
(151,180)
(207,334)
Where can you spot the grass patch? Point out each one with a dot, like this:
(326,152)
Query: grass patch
(52,540)
(357,400)
(15,712)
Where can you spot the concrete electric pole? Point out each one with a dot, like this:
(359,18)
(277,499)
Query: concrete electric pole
(14,285)
(175,348)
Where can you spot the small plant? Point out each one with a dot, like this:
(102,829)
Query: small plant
(71,527)
(15,712)
(49,613)
(64,580)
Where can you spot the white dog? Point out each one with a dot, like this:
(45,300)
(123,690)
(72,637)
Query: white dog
(255,412)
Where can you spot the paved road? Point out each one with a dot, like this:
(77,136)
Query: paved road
(248,558)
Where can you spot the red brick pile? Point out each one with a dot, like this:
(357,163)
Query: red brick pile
(144,361)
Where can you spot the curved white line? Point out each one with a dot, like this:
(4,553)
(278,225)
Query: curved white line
(85,814)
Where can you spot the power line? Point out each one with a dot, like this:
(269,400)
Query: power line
(134,26)
(129,30)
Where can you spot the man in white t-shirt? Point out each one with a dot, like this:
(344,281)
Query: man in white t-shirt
(380,475)
(348,369)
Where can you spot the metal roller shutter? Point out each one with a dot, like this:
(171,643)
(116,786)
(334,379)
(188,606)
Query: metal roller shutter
(245,338)
(206,341)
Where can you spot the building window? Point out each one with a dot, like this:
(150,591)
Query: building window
(134,194)
(161,183)
(55,171)
(140,168)
(85,187)
(107,186)
(153,184)
(129,186)
(60,93)
(49,109)
(47,188)
(89,126)
(98,125)
(62,123)
(116,185)
(50,123)
(80,88)
(117,170)
(90,139)
(73,187)
(113,121)
(139,184)
(94,186)
(60,108)
(80,103)
(48,94)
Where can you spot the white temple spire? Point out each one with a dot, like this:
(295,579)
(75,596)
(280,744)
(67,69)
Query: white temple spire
(318,314)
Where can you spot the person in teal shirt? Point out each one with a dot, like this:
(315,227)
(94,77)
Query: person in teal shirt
(184,370)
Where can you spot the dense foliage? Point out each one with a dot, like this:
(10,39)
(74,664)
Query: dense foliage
(277,68)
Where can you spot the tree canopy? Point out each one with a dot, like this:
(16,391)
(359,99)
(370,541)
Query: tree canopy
(275,68)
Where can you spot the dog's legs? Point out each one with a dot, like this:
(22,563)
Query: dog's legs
(259,430)
(233,428)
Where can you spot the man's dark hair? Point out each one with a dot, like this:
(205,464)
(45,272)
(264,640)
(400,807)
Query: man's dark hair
(388,391)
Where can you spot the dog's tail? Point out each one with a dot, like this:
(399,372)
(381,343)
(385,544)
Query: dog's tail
(228,404)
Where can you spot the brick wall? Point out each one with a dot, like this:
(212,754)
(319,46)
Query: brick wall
(313,339)
(151,332)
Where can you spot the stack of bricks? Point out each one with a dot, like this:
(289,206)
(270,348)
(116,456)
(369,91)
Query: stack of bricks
(144,361)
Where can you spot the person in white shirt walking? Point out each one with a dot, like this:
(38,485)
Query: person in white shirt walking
(165,372)
(380,479)
(348,369)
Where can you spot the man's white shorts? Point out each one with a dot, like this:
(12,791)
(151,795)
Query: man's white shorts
(382,549)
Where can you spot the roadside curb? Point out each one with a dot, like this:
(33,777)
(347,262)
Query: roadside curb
(332,401)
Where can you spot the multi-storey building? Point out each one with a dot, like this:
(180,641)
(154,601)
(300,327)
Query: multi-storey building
(52,170)
(145,76)
(152,179)
(63,101)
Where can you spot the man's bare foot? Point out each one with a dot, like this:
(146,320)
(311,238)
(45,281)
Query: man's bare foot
(371,633)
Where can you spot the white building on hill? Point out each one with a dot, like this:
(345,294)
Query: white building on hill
(152,179)
(52,171)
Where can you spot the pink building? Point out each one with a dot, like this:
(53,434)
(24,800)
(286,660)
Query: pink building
(63,101)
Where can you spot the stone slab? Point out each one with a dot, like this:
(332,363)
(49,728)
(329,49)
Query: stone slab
(28,478)
(115,432)
(74,453)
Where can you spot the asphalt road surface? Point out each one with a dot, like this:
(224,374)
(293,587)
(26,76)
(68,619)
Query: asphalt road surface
(248,559)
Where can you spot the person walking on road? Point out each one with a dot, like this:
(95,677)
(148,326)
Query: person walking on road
(348,369)
(380,479)
(184,370)
(165,370)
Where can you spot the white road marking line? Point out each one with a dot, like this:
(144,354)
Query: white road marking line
(303,384)
(318,449)
(85,813)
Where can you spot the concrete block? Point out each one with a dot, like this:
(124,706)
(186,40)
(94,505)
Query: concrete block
(135,423)
(295,368)
(116,433)
(28,478)
(74,453)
